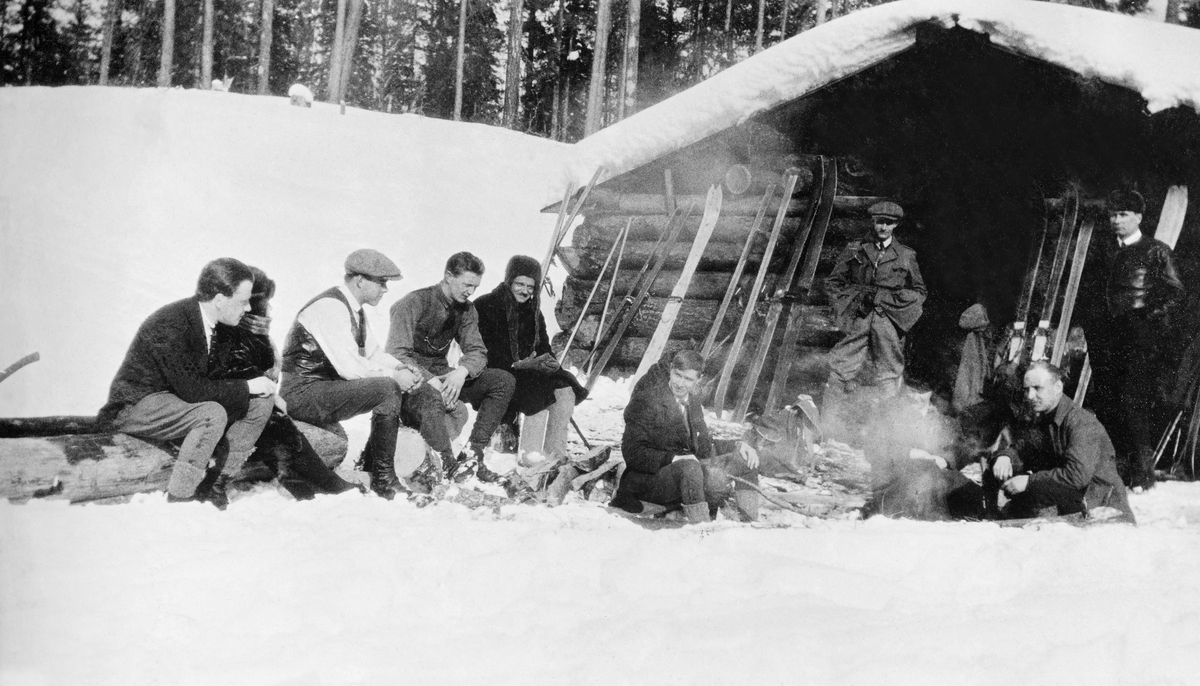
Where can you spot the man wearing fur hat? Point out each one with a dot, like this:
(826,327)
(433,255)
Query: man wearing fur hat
(1125,330)
(334,368)
(514,331)
(877,294)
(424,324)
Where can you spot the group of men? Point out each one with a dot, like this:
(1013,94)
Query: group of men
(334,368)
(1056,455)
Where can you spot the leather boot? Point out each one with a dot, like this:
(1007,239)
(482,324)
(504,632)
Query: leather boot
(214,491)
(697,513)
(747,502)
(380,453)
(430,474)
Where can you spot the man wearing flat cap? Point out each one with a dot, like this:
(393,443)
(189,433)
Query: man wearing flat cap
(335,369)
(1125,330)
(877,294)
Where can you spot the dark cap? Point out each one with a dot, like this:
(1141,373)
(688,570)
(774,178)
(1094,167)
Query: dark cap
(1126,201)
(886,208)
(372,263)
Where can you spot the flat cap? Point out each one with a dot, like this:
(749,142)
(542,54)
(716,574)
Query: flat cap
(1126,201)
(886,208)
(370,262)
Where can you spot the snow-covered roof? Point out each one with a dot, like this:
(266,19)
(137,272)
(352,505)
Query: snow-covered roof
(1159,61)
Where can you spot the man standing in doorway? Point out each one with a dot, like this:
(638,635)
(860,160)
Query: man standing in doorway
(1141,289)
(877,294)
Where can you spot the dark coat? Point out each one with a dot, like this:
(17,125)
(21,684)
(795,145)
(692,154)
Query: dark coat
(535,390)
(169,353)
(1071,449)
(899,288)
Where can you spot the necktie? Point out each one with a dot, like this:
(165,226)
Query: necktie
(360,336)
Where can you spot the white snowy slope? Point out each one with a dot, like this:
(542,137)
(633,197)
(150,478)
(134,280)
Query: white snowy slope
(1159,61)
(111,200)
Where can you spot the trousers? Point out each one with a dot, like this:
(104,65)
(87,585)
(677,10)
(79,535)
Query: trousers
(875,336)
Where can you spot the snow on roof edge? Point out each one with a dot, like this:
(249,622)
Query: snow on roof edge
(1159,61)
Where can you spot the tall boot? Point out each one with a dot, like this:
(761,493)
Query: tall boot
(213,489)
(697,513)
(380,453)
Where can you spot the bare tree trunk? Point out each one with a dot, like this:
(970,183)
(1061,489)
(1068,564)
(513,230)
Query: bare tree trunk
(595,106)
(167,59)
(633,30)
(462,58)
(729,30)
(265,36)
(512,72)
(822,8)
(556,116)
(1173,7)
(758,33)
(335,54)
(206,50)
(349,47)
(783,21)
(112,13)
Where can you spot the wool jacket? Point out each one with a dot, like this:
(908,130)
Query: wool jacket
(169,353)
(890,279)
(425,322)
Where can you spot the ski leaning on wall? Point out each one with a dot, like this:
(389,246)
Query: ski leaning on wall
(666,322)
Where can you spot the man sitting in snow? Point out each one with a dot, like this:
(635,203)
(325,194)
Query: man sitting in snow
(669,455)
(424,324)
(334,369)
(1060,457)
(162,390)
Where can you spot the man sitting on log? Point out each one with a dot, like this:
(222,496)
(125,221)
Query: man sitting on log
(162,390)
(669,454)
(1060,458)
(424,324)
(334,369)
(514,332)
(877,293)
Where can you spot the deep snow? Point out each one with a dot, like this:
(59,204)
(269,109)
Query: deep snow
(110,200)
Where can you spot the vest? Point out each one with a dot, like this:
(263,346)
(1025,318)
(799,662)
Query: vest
(303,357)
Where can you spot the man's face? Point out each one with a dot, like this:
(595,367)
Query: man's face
(884,226)
(683,382)
(460,288)
(371,289)
(1124,222)
(523,288)
(230,308)
(1042,390)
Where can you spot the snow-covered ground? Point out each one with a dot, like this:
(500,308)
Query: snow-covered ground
(111,200)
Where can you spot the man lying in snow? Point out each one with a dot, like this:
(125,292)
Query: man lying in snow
(1060,459)
(669,455)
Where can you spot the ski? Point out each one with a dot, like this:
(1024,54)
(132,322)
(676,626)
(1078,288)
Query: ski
(637,295)
(666,321)
(731,358)
(612,286)
(587,303)
(731,290)
(1041,336)
(767,336)
(1068,306)
(562,227)
(1016,331)
(799,295)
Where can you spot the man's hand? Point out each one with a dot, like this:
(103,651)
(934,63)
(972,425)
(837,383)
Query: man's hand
(452,384)
(1017,484)
(1003,468)
(261,387)
(681,458)
(406,379)
(749,454)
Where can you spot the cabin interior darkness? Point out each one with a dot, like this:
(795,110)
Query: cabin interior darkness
(971,138)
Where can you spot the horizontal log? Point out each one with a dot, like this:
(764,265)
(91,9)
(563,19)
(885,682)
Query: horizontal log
(718,257)
(94,466)
(599,232)
(603,201)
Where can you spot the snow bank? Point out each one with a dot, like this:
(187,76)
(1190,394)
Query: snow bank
(111,200)
(1159,61)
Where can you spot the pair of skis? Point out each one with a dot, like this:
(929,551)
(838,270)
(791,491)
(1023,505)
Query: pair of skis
(814,227)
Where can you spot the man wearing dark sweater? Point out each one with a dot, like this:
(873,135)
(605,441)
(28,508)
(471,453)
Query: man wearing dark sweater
(162,390)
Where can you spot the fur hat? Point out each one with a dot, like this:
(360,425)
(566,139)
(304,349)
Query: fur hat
(523,265)
(1126,201)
